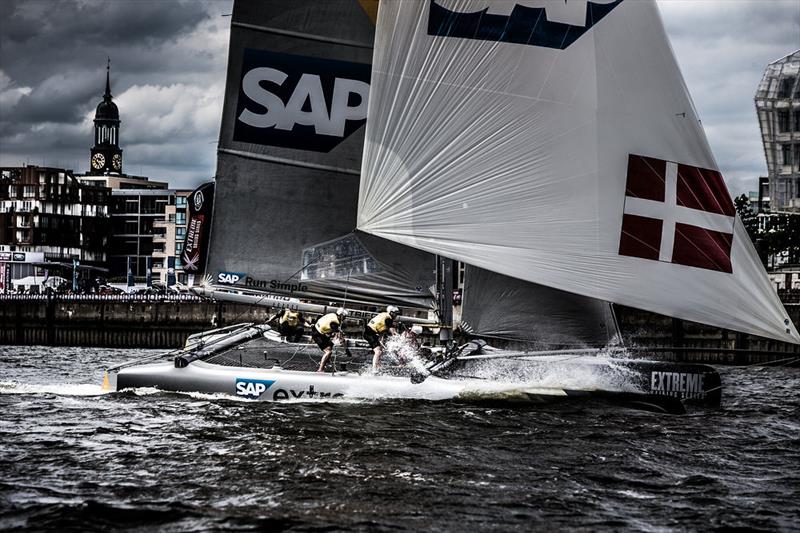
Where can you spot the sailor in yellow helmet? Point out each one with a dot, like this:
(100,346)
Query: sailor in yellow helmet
(377,329)
(327,328)
(290,324)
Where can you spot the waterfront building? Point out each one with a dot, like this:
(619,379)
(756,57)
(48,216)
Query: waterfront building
(778,107)
(147,223)
(103,217)
(169,237)
(47,210)
(763,194)
(124,181)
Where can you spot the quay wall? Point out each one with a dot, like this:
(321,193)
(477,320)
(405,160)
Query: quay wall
(671,339)
(116,322)
(165,323)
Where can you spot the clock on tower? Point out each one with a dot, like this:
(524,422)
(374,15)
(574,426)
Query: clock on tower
(106,155)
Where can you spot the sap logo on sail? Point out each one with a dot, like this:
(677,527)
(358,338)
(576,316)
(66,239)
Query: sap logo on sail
(678,384)
(545,23)
(300,102)
(252,389)
(229,278)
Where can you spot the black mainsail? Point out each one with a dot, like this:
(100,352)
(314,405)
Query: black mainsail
(289,159)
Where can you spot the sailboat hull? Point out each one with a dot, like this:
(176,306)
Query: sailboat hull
(253,362)
(277,384)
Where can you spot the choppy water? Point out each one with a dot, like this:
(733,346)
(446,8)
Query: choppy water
(72,457)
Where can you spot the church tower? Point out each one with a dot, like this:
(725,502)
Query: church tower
(106,155)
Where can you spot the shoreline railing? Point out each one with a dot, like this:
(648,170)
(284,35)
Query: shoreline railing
(102,297)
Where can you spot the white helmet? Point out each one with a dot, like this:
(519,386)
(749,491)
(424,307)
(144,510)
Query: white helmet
(342,311)
(416,329)
(392,310)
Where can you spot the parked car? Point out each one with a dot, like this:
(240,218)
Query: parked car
(108,289)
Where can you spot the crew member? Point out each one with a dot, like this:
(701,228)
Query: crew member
(290,325)
(377,330)
(411,336)
(325,330)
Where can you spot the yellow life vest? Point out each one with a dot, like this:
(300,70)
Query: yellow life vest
(325,322)
(378,322)
(292,318)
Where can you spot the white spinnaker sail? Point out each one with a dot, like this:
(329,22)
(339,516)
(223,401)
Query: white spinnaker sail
(508,137)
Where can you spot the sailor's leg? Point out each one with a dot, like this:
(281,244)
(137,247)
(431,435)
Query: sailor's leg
(326,354)
(376,357)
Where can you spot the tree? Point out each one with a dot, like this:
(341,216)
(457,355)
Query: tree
(748,217)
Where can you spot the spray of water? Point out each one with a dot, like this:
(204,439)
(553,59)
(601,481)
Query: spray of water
(566,370)
(402,350)
(65,389)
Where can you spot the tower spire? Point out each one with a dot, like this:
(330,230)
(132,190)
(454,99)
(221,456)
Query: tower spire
(107,96)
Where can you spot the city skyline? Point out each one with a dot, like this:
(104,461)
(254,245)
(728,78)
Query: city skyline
(168,63)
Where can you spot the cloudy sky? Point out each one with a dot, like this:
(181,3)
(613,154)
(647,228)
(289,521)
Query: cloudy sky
(168,74)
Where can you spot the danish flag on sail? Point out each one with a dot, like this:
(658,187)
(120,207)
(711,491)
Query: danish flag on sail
(677,213)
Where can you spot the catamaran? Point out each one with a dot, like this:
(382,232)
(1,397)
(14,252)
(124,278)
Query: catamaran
(552,147)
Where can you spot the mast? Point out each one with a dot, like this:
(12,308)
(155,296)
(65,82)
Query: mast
(444,286)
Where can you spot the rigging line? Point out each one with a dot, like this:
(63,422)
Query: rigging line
(347,287)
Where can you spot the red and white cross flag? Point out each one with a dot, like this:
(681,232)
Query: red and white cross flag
(677,213)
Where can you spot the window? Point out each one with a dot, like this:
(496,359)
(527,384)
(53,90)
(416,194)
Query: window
(178,247)
(29,191)
(339,258)
(785,87)
(788,157)
(180,201)
(180,218)
(796,117)
(783,121)
(180,233)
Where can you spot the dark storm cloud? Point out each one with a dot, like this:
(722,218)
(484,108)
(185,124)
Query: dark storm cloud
(60,34)
(163,53)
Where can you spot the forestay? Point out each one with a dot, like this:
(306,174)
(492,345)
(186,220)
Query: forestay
(557,148)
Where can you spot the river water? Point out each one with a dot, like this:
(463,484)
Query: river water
(74,457)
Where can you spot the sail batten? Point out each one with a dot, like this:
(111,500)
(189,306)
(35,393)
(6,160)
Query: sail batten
(524,156)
